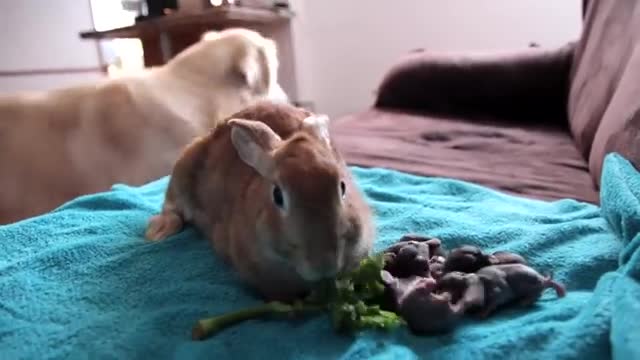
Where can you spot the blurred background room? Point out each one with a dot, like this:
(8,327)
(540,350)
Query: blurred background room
(322,44)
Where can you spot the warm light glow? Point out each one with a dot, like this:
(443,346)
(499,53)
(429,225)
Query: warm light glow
(219,2)
(122,56)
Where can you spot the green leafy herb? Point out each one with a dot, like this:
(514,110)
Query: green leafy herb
(356,299)
(353,301)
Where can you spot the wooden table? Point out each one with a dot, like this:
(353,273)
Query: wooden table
(165,36)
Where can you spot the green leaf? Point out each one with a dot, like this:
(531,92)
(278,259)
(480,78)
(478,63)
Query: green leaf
(358,294)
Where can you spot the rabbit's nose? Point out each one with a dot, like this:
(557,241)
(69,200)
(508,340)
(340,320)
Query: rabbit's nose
(321,267)
(328,266)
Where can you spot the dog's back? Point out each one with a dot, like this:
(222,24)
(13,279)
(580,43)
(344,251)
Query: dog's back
(57,145)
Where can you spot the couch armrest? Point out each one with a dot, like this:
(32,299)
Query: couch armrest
(524,85)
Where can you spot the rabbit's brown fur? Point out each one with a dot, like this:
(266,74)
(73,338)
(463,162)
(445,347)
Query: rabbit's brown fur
(278,252)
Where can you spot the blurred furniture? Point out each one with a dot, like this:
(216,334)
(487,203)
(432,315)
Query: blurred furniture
(164,36)
(536,123)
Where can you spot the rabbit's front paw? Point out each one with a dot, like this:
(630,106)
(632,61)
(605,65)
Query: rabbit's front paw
(162,226)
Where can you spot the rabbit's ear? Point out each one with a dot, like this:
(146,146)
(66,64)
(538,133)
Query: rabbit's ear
(253,140)
(319,124)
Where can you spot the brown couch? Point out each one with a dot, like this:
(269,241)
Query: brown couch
(536,123)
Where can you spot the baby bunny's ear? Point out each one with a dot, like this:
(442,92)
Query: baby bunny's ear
(388,279)
(253,140)
(319,124)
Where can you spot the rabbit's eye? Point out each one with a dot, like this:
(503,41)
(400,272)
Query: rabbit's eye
(343,188)
(278,199)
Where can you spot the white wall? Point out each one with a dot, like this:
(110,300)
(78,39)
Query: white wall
(42,35)
(12,84)
(340,49)
(344,47)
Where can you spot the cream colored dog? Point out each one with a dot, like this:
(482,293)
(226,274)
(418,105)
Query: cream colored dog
(57,145)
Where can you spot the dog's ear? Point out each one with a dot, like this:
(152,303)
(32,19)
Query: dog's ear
(252,68)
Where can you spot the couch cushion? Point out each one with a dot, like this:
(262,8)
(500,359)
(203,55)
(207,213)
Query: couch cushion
(530,85)
(605,93)
(619,130)
(536,162)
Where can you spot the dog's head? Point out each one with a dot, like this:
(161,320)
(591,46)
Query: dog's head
(235,59)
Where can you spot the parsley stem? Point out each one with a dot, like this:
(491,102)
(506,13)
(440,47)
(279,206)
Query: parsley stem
(208,326)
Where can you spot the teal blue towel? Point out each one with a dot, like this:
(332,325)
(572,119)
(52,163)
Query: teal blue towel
(80,282)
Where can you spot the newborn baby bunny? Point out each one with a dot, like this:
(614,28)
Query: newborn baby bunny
(508,283)
(436,266)
(411,255)
(425,310)
(435,244)
(470,258)
(504,284)
(466,289)
(274,197)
